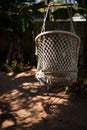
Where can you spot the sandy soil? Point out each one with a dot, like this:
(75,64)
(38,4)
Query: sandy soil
(25,105)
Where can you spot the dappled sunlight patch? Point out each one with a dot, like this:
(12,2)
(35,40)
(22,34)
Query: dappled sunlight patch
(30,114)
(28,106)
(30,83)
(12,95)
(33,70)
(3,95)
(31,110)
(7,123)
(6,96)
(15,92)
(55,105)
(23,74)
(10,73)
(26,85)
(31,87)
(29,102)
(36,84)
(33,90)
(23,113)
(38,107)
(16,104)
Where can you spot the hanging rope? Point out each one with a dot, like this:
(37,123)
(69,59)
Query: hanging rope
(69,13)
(70,16)
(45,18)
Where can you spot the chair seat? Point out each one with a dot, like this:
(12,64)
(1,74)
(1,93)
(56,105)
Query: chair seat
(57,54)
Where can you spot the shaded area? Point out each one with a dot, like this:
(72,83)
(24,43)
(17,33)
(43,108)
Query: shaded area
(24,104)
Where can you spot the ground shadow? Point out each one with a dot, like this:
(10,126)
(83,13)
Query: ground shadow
(26,105)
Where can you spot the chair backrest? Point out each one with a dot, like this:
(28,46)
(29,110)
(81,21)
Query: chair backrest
(57,51)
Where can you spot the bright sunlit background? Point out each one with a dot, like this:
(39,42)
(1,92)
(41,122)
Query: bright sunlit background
(69,1)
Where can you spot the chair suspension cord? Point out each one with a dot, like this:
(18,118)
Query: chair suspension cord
(70,16)
(45,18)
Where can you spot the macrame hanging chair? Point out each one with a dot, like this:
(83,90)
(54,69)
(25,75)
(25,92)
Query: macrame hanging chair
(57,55)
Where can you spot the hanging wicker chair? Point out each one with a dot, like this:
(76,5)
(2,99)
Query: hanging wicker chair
(57,57)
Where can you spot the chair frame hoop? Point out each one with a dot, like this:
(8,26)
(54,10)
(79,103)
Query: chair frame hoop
(55,32)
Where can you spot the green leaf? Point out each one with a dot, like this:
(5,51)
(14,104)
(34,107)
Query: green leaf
(37,6)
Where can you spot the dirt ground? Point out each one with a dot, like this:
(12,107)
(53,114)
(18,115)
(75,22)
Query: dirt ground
(25,105)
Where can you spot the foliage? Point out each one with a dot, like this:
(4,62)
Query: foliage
(62,13)
(6,68)
(60,1)
(17,16)
(37,6)
(67,89)
(82,7)
(15,66)
(82,3)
